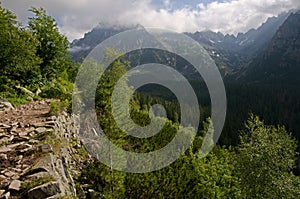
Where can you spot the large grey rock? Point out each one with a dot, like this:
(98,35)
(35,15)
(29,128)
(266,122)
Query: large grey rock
(44,191)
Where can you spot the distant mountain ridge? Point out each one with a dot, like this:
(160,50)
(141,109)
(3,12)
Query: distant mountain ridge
(280,61)
(234,55)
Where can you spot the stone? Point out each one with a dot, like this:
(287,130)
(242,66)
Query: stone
(9,174)
(44,191)
(52,118)
(57,196)
(3,156)
(15,185)
(41,124)
(5,105)
(20,139)
(15,124)
(12,146)
(5,196)
(2,192)
(4,126)
(41,130)
(23,133)
(5,149)
(46,148)
(28,148)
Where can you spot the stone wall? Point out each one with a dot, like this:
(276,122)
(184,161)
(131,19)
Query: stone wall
(40,160)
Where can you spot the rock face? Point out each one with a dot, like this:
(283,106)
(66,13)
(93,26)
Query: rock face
(45,190)
(280,61)
(38,153)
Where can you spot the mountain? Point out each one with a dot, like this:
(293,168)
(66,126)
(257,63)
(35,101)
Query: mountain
(280,61)
(230,52)
(80,48)
(234,52)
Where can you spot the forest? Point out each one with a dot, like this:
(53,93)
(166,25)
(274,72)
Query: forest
(256,156)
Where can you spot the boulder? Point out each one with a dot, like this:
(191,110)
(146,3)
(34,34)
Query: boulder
(44,191)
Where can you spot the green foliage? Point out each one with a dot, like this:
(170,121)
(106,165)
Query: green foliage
(108,182)
(188,177)
(265,160)
(33,58)
(57,107)
(18,61)
(52,46)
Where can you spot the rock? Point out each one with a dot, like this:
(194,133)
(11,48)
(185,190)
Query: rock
(23,133)
(41,130)
(15,124)
(41,124)
(3,156)
(5,196)
(15,185)
(5,149)
(5,105)
(9,174)
(51,118)
(20,139)
(57,196)
(4,126)
(44,191)
(46,148)
(12,146)
(2,192)
(28,148)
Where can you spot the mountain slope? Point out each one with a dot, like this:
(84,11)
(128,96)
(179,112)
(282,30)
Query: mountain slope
(81,48)
(236,51)
(280,62)
(231,53)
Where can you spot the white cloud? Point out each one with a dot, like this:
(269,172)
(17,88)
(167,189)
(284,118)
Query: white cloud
(76,17)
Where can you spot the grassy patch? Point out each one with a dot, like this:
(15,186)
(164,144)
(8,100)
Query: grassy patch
(26,186)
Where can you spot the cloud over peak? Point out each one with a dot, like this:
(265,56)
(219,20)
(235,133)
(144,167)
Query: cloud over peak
(75,17)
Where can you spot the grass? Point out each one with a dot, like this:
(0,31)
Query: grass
(26,186)
(4,143)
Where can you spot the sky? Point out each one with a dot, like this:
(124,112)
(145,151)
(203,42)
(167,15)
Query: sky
(76,17)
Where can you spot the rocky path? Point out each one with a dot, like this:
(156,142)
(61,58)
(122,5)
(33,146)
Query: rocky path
(21,131)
